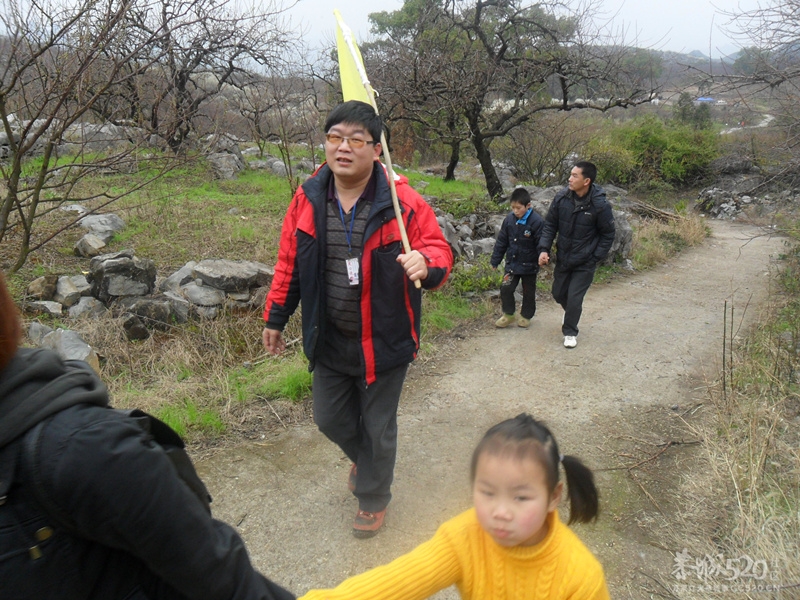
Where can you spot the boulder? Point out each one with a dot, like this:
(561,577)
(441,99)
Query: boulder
(103,226)
(203,296)
(89,246)
(87,307)
(233,275)
(43,288)
(70,346)
(37,331)
(180,277)
(67,292)
(121,274)
(44,307)
(225,166)
(134,328)
(153,312)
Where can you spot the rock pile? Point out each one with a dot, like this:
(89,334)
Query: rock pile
(126,285)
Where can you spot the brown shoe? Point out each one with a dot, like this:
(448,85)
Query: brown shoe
(351,479)
(367,524)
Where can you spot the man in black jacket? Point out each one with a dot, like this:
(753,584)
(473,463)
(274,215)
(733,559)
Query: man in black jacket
(584,223)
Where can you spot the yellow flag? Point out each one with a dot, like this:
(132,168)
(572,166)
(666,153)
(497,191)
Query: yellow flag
(355,84)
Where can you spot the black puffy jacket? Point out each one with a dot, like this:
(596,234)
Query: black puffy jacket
(135,531)
(585,228)
(519,242)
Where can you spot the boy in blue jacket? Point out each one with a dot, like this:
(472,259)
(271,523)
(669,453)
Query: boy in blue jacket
(518,240)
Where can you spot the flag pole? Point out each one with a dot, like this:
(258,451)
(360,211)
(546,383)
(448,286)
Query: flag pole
(344,34)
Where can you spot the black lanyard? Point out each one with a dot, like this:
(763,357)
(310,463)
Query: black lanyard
(348,234)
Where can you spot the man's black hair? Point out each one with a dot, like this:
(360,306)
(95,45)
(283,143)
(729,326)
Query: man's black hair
(355,112)
(588,169)
(521,196)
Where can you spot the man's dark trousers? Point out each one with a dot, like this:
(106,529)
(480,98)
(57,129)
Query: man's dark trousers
(360,419)
(569,288)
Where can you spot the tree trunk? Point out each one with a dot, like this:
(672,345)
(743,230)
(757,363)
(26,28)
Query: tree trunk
(455,153)
(493,185)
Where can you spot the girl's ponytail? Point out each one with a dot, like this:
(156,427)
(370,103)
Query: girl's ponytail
(584,502)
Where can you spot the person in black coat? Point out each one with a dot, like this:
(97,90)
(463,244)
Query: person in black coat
(582,219)
(91,508)
(518,241)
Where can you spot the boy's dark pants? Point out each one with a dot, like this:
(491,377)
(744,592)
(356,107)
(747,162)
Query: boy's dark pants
(569,288)
(361,420)
(509,286)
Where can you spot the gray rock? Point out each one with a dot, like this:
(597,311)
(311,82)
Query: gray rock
(224,165)
(486,245)
(449,232)
(66,292)
(180,277)
(87,307)
(121,274)
(239,296)
(233,275)
(153,312)
(278,168)
(70,346)
(207,312)
(43,288)
(83,286)
(89,246)
(103,226)
(37,331)
(134,328)
(45,307)
(623,239)
(76,208)
(202,296)
(464,232)
(180,306)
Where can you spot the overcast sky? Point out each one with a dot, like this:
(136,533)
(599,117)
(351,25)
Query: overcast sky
(679,25)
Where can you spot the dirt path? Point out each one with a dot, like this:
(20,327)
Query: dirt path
(645,343)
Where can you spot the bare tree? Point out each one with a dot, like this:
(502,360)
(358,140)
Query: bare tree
(767,72)
(53,68)
(82,85)
(200,49)
(279,105)
(474,70)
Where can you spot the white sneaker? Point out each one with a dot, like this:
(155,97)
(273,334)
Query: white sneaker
(570,341)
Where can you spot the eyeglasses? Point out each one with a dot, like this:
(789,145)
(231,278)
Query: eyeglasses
(355,143)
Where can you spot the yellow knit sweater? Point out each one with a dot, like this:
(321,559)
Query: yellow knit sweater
(560,567)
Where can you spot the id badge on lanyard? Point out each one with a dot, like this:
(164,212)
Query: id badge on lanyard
(352,262)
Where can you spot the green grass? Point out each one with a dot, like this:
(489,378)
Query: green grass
(458,198)
(188,416)
(273,379)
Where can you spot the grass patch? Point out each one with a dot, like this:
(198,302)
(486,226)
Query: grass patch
(656,241)
(188,416)
(273,379)
(747,501)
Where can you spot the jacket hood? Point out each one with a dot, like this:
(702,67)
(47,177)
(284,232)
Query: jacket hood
(38,383)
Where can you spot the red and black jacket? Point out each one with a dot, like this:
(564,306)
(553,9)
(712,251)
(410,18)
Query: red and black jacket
(390,303)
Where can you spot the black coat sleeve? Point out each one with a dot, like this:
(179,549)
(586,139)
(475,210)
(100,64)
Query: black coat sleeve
(122,492)
(501,245)
(550,227)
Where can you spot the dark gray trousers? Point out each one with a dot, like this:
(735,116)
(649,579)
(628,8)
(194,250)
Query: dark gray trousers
(509,286)
(569,288)
(362,421)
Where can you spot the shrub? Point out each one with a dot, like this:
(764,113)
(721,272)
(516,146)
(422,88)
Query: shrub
(647,149)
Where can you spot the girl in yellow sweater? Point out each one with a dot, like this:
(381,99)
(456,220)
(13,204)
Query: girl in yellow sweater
(512,544)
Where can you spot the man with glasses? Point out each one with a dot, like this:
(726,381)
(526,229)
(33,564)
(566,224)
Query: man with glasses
(341,257)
